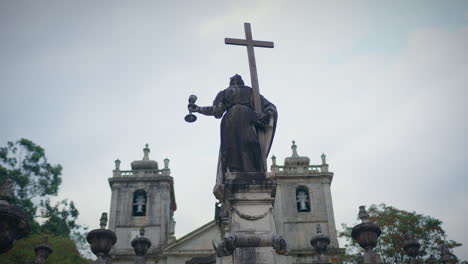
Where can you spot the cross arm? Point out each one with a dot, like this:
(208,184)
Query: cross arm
(243,42)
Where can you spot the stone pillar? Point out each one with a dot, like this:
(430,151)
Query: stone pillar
(326,181)
(247,215)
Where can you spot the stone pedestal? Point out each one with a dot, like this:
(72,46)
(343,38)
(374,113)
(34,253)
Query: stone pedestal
(247,221)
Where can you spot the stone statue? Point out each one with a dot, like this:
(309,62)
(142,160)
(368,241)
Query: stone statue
(240,149)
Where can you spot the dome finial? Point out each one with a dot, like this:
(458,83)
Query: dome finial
(146,152)
(294,149)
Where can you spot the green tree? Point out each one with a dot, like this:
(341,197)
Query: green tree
(36,181)
(396,224)
(34,177)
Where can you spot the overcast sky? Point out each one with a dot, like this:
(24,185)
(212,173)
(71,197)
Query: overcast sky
(378,86)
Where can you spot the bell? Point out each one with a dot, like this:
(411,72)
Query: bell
(190,118)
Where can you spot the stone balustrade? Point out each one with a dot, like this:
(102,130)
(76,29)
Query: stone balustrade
(137,173)
(314,169)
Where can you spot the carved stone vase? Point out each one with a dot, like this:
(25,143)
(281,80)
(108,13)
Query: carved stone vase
(141,245)
(13,221)
(42,252)
(101,241)
(411,248)
(367,234)
(320,243)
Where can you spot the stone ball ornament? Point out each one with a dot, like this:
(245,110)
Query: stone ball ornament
(366,233)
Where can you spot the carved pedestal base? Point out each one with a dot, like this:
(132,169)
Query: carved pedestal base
(246,220)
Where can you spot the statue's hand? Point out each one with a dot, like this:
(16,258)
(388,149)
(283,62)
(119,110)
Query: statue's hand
(193,108)
(263,119)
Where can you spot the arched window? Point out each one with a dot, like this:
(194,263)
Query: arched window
(302,199)
(139,203)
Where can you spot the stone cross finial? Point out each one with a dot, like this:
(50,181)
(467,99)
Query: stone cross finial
(166,163)
(117,164)
(324,159)
(103,220)
(363,214)
(142,231)
(273,160)
(319,229)
(146,152)
(294,149)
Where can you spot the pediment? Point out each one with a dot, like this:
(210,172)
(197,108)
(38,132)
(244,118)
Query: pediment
(199,239)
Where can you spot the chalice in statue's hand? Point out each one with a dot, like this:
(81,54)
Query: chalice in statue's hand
(191,108)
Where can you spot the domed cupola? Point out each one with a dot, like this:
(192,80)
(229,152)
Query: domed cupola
(145,163)
(295,160)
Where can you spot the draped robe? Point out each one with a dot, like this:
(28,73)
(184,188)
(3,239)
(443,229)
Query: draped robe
(240,149)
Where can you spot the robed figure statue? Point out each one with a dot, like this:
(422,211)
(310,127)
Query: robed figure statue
(240,149)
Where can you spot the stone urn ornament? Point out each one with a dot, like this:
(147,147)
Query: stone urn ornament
(42,251)
(320,243)
(101,240)
(14,223)
(141,245)
(367,234)
(446,256)
(411,247)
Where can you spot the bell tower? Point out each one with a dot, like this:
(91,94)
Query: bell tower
(303,205)
(142,196)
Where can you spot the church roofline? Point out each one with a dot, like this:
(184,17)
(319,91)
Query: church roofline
(186,237)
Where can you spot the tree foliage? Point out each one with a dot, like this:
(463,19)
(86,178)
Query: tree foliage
(36,181)
(64,250)
(396,225)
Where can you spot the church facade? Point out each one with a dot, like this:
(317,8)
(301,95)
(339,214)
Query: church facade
(145,197)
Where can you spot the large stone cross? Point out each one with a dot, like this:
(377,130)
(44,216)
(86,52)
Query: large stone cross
(250,44)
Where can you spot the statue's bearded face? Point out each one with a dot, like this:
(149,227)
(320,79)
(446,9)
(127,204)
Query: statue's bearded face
(236,80)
